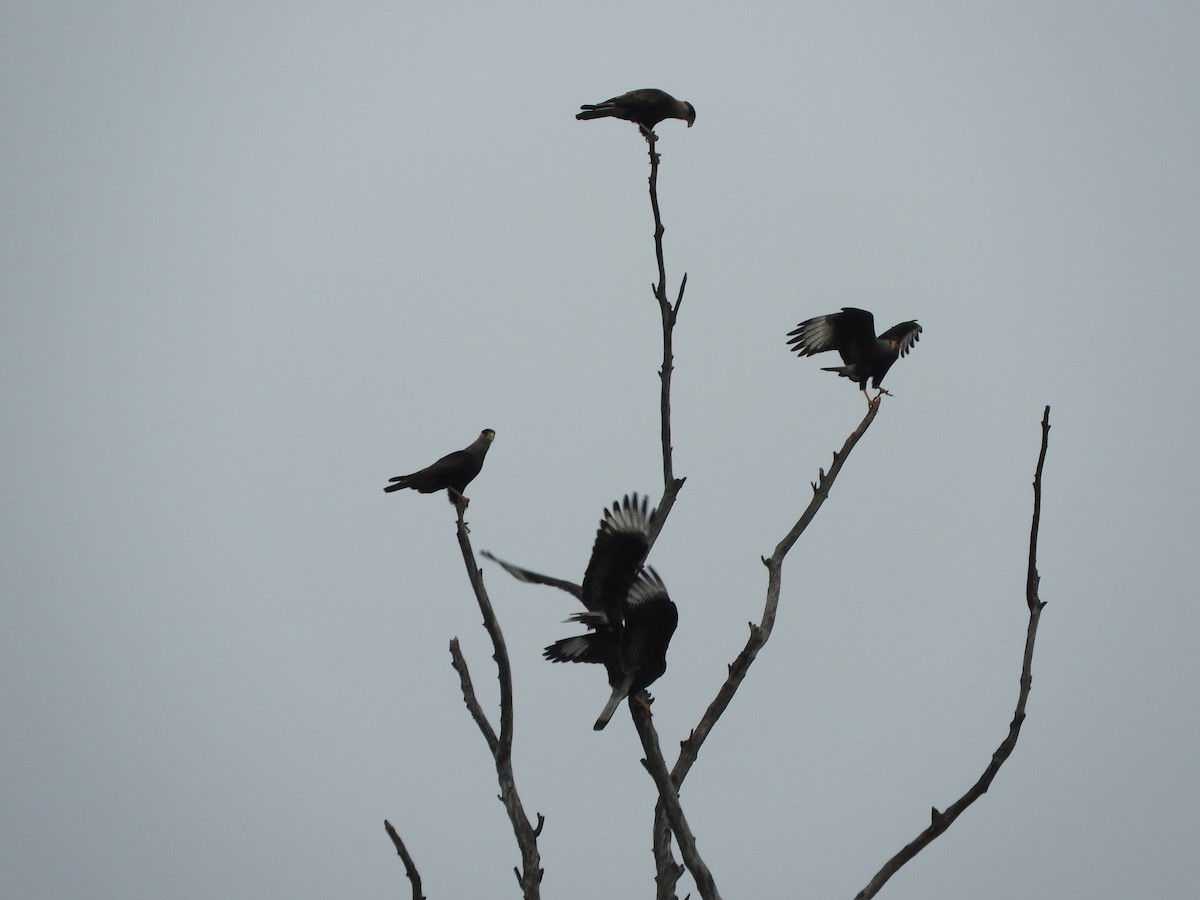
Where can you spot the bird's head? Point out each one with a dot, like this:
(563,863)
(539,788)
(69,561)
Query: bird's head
(690,118)
(488,435)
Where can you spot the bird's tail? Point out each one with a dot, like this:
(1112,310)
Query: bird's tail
(620,692)
(398,483)
(844,371)
(594,111)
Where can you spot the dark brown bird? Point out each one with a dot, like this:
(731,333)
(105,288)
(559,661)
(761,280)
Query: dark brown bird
(452,473)
(645,108)
(630,615)
(851,333)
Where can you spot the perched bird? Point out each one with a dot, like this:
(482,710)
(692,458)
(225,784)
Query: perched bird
(851,333)
(452,473)
(645,108)
(628,611)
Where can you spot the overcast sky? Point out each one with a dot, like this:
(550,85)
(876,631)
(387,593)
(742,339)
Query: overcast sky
(259,257)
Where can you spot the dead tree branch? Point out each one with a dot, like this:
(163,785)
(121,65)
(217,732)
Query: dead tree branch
(410,868)
(529,875)
(942,820)
(669,315)
(668,870)
(669,801)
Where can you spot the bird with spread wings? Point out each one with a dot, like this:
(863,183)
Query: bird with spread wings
(629,614)
(851,333)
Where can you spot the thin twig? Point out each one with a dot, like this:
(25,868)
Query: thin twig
(529,876)
(689,749)
(940,821)
(410,868)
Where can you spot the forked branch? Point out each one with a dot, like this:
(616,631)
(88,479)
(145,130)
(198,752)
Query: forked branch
(529,875)
(941,820)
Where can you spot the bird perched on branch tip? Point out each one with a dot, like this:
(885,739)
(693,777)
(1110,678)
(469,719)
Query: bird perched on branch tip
(645,108)
(851,333)
(452,473)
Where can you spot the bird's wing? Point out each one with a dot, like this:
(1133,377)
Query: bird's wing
(902,336)
(532,577)
(650,621)
(643,100)
(646,590)
(432,478)
(449,465)
(851,332)
(580,648)
(622,542)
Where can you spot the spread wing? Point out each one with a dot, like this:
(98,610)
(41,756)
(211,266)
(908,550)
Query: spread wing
(851,332)
(622,542)
(650,621)
(531,577)
(902,337)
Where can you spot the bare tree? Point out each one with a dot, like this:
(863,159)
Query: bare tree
(670,827)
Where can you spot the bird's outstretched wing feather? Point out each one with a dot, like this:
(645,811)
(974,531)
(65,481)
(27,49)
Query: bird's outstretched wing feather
(903,336)
(592,647)
(531,577)
(622,542)
(851,330)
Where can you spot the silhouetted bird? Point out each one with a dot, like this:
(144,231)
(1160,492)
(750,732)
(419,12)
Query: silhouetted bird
(452,473)
(645,108)
(628,611)
(851,333)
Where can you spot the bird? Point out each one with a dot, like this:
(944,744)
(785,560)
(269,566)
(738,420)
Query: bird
(645,108)
(452,473)
(851,333)
(629,613)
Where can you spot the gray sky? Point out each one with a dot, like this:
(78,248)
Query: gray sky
(257,258)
